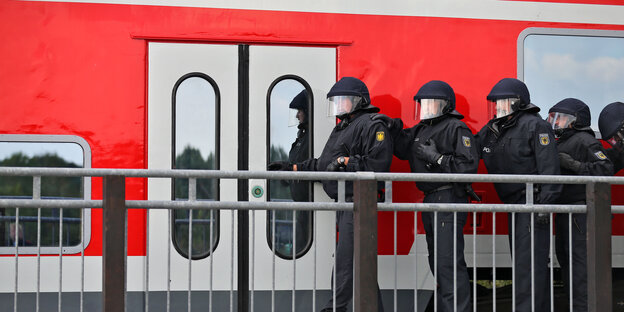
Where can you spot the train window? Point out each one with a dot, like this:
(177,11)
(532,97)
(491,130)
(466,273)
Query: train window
(196,146)
(289,109)
(588,65)
(24,225)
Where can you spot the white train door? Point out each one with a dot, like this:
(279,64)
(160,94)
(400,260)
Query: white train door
(194,122)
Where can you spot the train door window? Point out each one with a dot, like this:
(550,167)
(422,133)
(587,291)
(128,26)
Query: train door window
(289,109)
(24,225)
(557,64)
(196,144)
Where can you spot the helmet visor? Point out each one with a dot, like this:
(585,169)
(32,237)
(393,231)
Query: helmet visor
(296,117)
(560,120)
(502,107)
(429,108)
(340,105)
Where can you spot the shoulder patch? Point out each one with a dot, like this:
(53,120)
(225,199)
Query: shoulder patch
(600,155)
(380,136)
(544,139)
(466,141)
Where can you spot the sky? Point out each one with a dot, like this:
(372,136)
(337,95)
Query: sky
(590,69)
(71,152)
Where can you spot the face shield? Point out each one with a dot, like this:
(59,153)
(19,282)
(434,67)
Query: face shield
(296,117)
(340,105)
(502,107)
(429,108)
(560,122)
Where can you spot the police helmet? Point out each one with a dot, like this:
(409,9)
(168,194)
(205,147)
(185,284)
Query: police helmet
(349,95)
(300,101)
(511,88)
(611,119)
(444,100)
(569,113)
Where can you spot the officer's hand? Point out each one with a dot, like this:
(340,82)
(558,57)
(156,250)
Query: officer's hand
(427,152)
(335,165)
(566,161)
(280,166)
(394,125)
(542,218)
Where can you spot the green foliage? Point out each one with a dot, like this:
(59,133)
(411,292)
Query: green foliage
(54,187)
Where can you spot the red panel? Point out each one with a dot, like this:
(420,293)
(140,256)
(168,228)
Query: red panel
(70,68)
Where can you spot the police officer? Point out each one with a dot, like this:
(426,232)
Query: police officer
(579,154)
(300,148)
(441,143)
(518,141)
(357,143)
(611,125)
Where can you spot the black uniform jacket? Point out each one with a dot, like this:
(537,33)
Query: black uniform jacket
(453,140)
(300,151)
(617,158)
(524,144)
(366,142)
(582,146)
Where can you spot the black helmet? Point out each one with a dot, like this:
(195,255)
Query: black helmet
(300,101)
(576,108)
(352,87)
(611,120)
(508,88)
(436,89)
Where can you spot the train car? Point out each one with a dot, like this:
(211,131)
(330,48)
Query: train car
(167,84)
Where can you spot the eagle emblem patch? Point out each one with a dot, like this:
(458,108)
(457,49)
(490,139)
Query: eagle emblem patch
(544,139)
(600,155)
(380,136)
(466,141)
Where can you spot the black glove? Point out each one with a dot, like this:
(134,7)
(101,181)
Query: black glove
(337,165)
(394,125)
(280,166)
(569,163)
(542,218)
(427,152)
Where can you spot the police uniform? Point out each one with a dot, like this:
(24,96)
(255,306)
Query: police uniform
(300,151)
(588,158)
(523,143)
(455,143)
(367,144)
(610,122)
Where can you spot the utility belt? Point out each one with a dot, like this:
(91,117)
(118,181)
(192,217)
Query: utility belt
(441,188)
(467,188)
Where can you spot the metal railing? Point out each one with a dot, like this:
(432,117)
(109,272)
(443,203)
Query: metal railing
(364,207)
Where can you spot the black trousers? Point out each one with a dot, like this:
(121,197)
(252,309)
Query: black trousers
(579,256)
(445,265)
(522,263)
(344,265)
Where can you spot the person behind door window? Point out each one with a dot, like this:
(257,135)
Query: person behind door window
(580,153)
(611,125)
(441,143)
(518,141)
(300,148)
(357,143)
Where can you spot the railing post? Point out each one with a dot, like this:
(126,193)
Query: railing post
(365,245)
(113,244)
(599,247)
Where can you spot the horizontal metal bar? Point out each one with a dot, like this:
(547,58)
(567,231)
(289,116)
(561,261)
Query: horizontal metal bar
(448,207)
(307,175)
(326,206)
(43,219)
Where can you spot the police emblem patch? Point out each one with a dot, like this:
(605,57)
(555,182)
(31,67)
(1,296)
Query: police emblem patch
(466,141)
(600,155)
(544,139)
(380,136)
